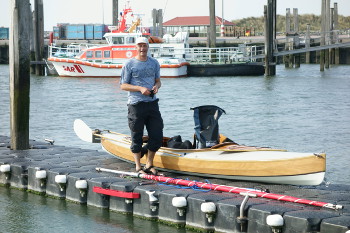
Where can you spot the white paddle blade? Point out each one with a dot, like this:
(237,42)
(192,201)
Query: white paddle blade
(82,130)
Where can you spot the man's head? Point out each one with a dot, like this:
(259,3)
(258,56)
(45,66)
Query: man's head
(141,40)
(142,48)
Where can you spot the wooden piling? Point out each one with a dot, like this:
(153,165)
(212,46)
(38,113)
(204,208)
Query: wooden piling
(155,19)
(286,58)
(212,26)
(39,35)
(327,34)
(19,74)
(335,33)
(115,13)
(307,44)
(160,22)
(296,40)
(322,53)
(332,37)
(270,66)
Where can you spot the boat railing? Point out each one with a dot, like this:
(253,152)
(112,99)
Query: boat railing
(204,55)
(70,50)
(195,55)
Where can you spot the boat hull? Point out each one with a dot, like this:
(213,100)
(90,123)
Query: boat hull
(235,69)
(261,166)
(66,67)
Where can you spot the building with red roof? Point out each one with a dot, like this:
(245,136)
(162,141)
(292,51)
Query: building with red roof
(197,26)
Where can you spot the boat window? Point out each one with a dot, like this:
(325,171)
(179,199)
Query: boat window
(80,53)
(107,53)
(89,54)
(98,54)
(118,40)
(130,40)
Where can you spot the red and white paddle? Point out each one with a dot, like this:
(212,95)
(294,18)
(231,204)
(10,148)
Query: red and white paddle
(224,188)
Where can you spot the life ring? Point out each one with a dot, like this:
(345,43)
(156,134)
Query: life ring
(128,54)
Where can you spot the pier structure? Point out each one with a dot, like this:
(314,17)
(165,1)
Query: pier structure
(19,74)
(70,174)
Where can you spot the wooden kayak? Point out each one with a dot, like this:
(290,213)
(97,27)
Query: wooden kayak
(226,160)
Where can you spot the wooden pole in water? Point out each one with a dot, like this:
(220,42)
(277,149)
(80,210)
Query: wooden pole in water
(39,35)
(270,66)
(327,34)
(323,9)
(154,16)
(331,51)
(212,26)
(160,22)
(115,13)
(307,44)
(286,58)
(335,33)
(19,74)
(296,37)
(32,46)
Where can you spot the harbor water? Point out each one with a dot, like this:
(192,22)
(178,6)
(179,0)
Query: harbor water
(301,110)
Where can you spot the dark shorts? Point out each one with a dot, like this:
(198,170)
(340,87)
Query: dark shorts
(145,114)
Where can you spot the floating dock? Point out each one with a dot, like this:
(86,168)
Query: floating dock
(70,173)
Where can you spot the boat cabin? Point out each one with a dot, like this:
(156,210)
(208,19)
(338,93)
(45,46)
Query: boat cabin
(121,47)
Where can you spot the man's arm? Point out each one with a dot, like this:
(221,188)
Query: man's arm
(129,87)
(157,85)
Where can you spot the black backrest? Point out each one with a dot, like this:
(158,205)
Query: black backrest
(206,120)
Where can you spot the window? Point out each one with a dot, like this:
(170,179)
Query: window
(130,40)
(89,54)
(98,54)
(106,54)
(118,40)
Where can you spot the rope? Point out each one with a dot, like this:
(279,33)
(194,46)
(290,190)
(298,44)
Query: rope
(194,187)
(53,67)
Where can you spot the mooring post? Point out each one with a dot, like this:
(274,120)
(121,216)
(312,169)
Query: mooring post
(270,66)
(212,27)
(160,22)
(322,53)
(155,21)
(335,33)
(32,46)
(286,58)
(307,43)
(327,34)
(296,37)
(331,51)
(39,36)
(115,13)
(19,74)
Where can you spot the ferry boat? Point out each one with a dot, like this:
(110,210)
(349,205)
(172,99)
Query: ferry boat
(107,60)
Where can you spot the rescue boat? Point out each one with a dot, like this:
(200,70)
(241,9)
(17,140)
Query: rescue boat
(88,60)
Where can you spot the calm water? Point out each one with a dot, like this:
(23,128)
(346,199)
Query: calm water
(302,110)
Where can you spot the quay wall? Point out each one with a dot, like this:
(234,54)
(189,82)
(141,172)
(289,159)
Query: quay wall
(69,173)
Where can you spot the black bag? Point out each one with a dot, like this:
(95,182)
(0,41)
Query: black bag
(176,142)
(206,120)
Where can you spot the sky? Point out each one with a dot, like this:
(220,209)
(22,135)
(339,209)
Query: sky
(100,11)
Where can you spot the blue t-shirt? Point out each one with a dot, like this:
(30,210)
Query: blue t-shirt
(140,73)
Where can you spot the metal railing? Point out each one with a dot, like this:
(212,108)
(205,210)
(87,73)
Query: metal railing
(204,55)
(197,55)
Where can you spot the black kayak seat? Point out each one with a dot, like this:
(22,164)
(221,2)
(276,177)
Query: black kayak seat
(206,120)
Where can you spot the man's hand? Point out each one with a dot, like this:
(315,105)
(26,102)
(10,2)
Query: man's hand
(145,91)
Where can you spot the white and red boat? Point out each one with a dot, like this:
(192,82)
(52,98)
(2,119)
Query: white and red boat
(86,60)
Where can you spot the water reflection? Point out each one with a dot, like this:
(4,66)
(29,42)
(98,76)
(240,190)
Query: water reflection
(26,212)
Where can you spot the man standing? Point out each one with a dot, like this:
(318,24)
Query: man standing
(141,78)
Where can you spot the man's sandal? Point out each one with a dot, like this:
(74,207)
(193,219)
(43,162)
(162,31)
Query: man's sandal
(141,171)
(148,170)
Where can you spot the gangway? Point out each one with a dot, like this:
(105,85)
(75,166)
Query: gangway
(301,50)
